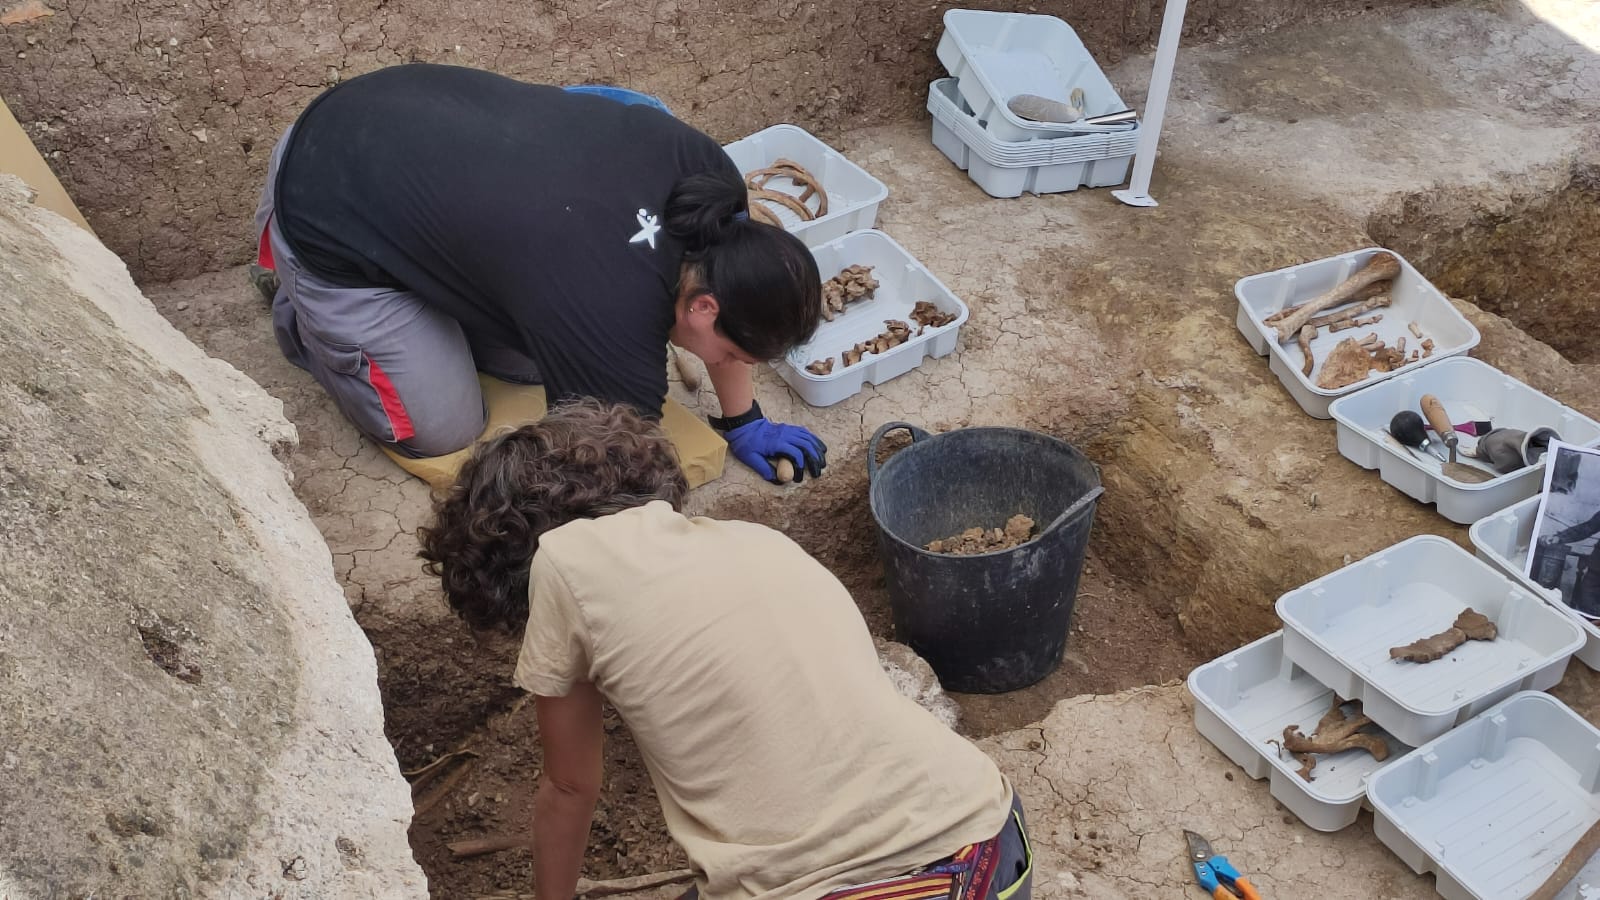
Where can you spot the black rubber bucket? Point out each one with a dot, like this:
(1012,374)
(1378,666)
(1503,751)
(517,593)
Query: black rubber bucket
(991,622)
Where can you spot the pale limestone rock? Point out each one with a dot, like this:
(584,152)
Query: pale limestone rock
(187,707)
(913,677)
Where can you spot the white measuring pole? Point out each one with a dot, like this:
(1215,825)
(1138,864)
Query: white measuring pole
(1137,193)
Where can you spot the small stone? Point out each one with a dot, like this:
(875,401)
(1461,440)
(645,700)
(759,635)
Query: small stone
(182,305)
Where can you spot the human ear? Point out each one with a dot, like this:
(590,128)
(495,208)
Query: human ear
(705,304)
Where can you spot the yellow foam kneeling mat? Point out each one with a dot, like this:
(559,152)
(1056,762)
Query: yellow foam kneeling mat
(701,451)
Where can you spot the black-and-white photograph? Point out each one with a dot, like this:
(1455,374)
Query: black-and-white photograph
(1566,534)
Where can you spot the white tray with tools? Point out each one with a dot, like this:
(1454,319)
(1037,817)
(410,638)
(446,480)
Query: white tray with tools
(1493,807)
(996,56)
(1248,697)
(1045,166)
(902,283)
(1470,390)
(1340,628)
(1413,299)
(853,195)
(1503,540)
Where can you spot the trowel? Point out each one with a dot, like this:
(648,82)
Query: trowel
(1042,109)
(1452,469)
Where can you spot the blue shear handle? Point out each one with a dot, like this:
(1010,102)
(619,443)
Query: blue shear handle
(1207,878)
(1221,866)
(1214,871)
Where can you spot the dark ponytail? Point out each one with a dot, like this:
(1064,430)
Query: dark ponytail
(769,295)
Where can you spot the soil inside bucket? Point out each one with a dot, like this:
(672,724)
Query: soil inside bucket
(1019,530)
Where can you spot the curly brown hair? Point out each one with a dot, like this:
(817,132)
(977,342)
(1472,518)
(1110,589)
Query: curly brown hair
(583,460)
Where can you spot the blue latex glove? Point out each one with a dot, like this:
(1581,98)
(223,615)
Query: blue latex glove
(755,443)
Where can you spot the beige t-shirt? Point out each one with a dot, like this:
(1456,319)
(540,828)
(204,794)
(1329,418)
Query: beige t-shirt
(786,762)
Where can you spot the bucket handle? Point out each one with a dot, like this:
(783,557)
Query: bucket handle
(917,434)
(1076,507)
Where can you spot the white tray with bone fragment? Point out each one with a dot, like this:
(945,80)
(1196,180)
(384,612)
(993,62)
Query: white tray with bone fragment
(1492,807)
(1470,390)
(902,282)
(853,195)
(1412,299)
(1341,627)
(1247,698)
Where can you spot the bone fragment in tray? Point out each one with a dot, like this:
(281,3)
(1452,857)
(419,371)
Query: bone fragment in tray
(758,181)
(1382,267)
(850,285)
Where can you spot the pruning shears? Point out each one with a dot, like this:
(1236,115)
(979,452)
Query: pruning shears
(1216,875)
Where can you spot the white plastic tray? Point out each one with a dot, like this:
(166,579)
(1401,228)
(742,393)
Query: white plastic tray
(1492,807)
(902,281)
(853,195)
(1247,697)
(1047,167)
(1415,299)
(1469,390)
(999,55)
(1341,626)
(945,102)
(1503,540)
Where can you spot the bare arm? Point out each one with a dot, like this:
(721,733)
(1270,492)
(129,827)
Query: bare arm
(735,391)
(571,734)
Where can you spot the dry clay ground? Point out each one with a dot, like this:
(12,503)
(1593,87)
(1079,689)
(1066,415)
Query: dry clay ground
(1112,328)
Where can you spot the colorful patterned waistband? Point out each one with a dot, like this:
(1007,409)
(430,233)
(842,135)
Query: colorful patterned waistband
(964,876)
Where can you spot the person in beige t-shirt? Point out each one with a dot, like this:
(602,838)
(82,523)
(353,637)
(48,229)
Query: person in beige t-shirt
(787,764)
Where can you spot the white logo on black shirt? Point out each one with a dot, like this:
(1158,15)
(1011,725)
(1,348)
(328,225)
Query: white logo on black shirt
(647,229)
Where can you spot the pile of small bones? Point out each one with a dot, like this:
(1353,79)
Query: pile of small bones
(926,314)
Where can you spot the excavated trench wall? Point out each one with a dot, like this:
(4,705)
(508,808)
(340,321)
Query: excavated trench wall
(159,115)
(1528,251)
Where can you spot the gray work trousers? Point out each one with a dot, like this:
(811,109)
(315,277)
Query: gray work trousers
(404,373)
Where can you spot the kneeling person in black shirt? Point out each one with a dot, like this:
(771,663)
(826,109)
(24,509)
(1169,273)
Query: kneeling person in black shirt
(428,222)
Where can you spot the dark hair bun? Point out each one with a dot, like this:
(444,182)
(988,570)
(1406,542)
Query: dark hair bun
(703,208)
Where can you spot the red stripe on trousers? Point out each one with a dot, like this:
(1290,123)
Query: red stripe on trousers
(399,419)
(264,248)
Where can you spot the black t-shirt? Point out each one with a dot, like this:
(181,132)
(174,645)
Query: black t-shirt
(531,215)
